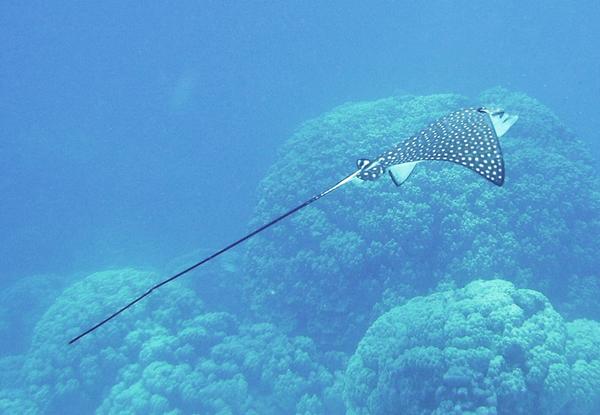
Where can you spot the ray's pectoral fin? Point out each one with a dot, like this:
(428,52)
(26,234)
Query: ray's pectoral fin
(502,121)
(401,172)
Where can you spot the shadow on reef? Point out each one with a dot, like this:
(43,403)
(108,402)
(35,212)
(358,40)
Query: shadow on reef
(329,271)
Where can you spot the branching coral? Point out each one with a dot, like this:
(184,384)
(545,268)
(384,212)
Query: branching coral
(488,348)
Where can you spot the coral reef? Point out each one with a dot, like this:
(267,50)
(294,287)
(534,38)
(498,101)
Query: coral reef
(213,366)
(271,331)
(488,348)
(331,269)
(583,355)
(165,355)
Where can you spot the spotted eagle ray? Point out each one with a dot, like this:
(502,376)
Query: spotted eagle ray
(469,137)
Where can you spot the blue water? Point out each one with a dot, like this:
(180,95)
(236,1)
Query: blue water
(138,138)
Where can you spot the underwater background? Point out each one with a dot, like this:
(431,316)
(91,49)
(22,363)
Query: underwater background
(139,137)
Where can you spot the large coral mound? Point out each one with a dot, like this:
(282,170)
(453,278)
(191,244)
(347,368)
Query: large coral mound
(58,377)
(213,366)
(167,354)
(488,348)
(331,269)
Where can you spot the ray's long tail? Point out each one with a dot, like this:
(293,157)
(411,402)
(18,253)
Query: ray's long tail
(339,184)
